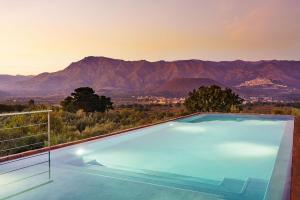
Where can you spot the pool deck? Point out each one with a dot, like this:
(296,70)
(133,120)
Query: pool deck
(295,192)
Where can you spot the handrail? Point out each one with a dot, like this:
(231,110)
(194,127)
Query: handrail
(20,147)
(24,113)
(18,127)
(47,132)
(22,179)
(24,158)
(20,138)
(14,170)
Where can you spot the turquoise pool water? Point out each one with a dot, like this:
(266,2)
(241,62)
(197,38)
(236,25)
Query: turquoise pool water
(200,157)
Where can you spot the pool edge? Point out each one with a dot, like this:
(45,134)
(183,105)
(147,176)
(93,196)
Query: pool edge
(58,146)
(295,182)
(54,147)
(279,185)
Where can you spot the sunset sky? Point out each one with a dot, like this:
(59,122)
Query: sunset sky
(47,35)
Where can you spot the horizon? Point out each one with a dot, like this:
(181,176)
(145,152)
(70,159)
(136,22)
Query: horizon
(263,60)
(43,36)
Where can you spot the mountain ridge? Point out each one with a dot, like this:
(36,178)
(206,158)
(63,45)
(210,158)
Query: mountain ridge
(142,75)
(181,86)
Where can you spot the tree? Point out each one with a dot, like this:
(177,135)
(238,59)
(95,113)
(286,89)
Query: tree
(106,104)
(31,102)
(68,104)
(86,99)
(212,99)
(81,125)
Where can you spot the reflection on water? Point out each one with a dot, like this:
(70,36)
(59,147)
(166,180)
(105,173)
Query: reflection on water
(247,149)
(186,129)
(234,118)
(22,175)
(80,152)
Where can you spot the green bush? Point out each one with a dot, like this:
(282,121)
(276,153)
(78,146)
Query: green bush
(212,99)
(295,112)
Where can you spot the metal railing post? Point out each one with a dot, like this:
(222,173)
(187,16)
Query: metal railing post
(13,166)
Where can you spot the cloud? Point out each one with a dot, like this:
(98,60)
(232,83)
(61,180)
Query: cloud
(253,25)
(268,24)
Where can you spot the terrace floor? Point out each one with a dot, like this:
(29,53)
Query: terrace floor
(296,162)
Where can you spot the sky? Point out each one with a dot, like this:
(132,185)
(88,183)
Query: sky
(47,35)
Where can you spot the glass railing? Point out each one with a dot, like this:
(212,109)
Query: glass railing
(20,134)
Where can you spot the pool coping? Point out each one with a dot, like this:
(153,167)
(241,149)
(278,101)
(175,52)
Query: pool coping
(281,173)
(295,176)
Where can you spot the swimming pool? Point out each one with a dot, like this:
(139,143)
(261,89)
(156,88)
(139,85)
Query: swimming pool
(210,156)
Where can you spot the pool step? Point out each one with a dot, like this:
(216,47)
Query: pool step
(231,189)
(250,187)
(233,185)
(254,189)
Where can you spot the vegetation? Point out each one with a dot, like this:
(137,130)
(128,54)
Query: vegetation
(11,108)
(213,99)
(74,120)
(86,99)
(31,102)
(71,126)
(273,108)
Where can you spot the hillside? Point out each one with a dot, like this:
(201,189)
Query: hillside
(182,86)
(10,82)
(142,76)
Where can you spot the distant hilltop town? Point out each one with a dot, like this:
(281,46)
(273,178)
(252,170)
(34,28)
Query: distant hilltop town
(159,100)
(166,100)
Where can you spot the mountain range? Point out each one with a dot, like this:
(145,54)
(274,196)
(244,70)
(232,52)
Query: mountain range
(166,78)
